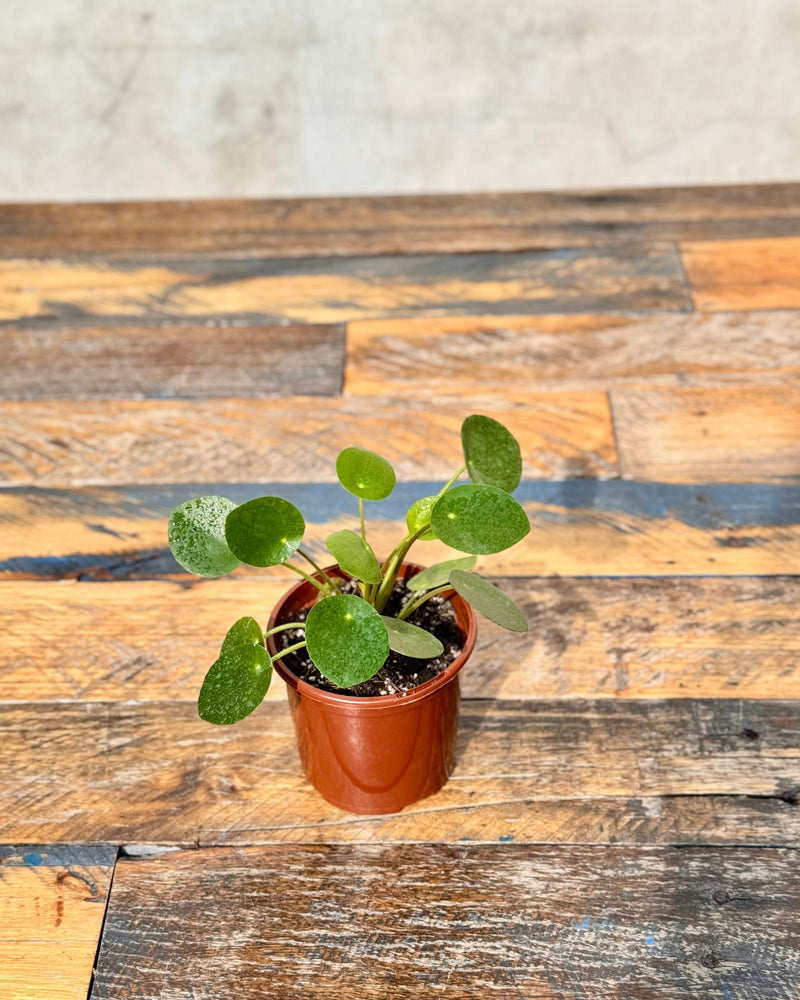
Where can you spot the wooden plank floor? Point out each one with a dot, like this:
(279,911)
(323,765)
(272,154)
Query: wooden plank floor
(624,815)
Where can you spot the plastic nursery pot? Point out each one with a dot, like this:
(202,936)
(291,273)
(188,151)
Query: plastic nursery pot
(375,755)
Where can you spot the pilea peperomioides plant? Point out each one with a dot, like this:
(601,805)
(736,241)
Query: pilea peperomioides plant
(346,635)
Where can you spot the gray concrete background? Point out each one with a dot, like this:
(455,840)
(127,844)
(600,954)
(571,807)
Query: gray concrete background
(105,99)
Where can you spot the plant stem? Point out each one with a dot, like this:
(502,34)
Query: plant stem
(392,566)
(319,569)
(284,628)
(450,481)
(417,602)
(361,515)
(315,583)
(289,649)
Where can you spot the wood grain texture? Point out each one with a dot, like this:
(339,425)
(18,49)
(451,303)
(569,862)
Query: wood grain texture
(579,528)
(303,227)
(459,356)
(154,772)
(295,439)
(744,274)
(717,434)
(326,290)
(181,361)
(701,637)
(538,923)
(52,904)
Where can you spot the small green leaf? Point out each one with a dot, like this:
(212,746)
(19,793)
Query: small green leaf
(235,685)
(489,600)
(365,474)
(479,519)
(438,574)
(491,452)
(197,536)
(245,632)
(265,531)
(354,556)
(419,514)
(346,639)
(410,640)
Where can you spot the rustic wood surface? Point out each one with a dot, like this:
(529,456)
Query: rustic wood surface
(578,528)
(52,905)
(456,921)
(631,637)
(625,802)
(416,224)
(459,356)
(179,361)
(134,771)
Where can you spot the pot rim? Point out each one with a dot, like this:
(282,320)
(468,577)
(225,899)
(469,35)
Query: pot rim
(375,702)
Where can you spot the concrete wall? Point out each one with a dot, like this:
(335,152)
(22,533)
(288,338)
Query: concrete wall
(106,99)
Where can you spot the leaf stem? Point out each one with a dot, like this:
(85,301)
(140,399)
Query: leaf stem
(284,628)
(361,515)
(392,566)
(289,649)
(306,576)
(417,602)
(450,481)
(319,569)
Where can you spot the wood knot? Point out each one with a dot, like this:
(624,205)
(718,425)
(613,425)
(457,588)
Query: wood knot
(721,897)
(749,734)
(710,960)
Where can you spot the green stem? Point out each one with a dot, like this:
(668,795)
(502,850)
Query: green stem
(319,569)
(392,566)
(289,649)
(284,628)
(315,583)
(361,515)
(450,481)
(417,602)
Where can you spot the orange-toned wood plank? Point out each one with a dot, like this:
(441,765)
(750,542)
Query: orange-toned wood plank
(155,772)
(744,274)
(296,439)
(52,904)
(579,528)
(701,637)
(326,290)
(712,435)
(179,361)
(459,356)
(301,227)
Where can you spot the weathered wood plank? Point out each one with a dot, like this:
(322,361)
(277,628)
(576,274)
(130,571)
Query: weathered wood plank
(405,224)
(133,772)
(536,923)
(52,904)
(700,637)
(188,361)
(744,274)
(460,355)
(716,434)
(579,528)
(327,290)
(296,439)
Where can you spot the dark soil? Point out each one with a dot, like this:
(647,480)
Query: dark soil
(399,673)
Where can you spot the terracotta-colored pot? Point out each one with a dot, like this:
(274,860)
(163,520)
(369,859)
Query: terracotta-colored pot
(375,755)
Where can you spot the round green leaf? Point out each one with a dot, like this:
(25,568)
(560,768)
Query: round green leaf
(235,685)
(197,536)
(410,640)
(346,639)
(479,519)
(265,531)
(438,574)
(491,452)
(365,474)
(354,556)
(419,514)
(245,632)
(491,602)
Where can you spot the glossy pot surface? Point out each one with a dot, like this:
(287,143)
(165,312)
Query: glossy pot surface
(375,755)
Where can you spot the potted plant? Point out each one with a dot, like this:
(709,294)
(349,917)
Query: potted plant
(370,651)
